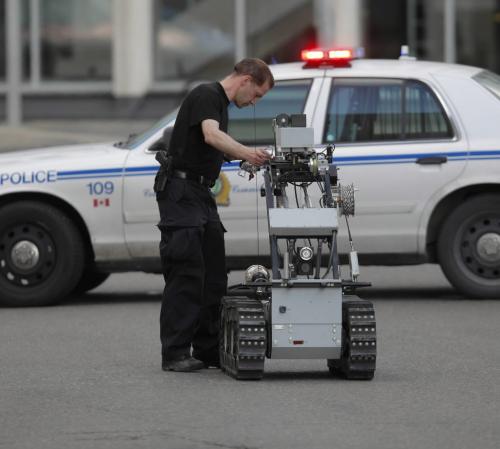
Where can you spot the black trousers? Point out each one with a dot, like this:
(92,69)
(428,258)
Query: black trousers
(193,262)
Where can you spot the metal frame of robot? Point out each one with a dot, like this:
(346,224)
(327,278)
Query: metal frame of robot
(301,313)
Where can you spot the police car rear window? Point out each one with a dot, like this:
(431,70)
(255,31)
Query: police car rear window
(490,81)
(365,110)
(255,127)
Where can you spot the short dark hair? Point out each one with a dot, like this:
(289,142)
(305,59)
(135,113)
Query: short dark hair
(257,69)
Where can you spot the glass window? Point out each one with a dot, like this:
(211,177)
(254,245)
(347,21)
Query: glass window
(194,39)
(253,125)
(376,110)
(424,116)
(478,33)
(361,111)
(489,80)
(3,41)
(279,32)
(25,39)
(385,29)
(76,39)
(477,30)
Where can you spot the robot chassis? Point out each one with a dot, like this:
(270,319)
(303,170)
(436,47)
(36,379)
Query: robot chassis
(299,309)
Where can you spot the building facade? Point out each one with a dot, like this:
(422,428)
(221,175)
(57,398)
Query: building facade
(138,57)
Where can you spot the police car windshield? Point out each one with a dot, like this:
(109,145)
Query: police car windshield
(490,81)
(136,140)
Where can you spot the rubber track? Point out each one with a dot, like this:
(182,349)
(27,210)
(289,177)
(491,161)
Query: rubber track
(243,338)
(360,346)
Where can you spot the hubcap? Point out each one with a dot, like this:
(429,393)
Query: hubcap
(488,247)
(25,255)
(480,245)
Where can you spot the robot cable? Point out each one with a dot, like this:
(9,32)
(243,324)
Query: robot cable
(256,184)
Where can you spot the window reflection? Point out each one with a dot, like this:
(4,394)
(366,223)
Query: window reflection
(279,32)
(481,48)
(3,40)
(194,39)
(76,39)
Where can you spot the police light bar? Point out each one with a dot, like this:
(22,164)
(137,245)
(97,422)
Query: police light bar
(340,54)
(313,55)
(335,57)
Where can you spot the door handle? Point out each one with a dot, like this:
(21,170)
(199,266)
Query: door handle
(432,160)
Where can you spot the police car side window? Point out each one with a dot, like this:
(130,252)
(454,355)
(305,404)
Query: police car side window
(286,96)
(362,110)
(424,116)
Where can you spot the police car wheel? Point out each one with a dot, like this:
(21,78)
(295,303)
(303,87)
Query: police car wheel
(41,254)
(469,247)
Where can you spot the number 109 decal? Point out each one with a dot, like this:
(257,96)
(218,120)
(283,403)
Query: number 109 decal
(100,188)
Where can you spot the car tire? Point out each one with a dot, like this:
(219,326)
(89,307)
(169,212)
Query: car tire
(91,278)
(41,254)
(469,247)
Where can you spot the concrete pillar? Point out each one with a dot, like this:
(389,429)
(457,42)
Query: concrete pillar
(133,49)
(240,31)
(35,42)
(339,23)
(14,99)
(450,41)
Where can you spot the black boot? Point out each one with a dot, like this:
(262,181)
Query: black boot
(210,359)
(183,364)
(211,363)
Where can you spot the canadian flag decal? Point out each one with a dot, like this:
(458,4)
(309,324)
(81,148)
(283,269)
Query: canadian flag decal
(101,202)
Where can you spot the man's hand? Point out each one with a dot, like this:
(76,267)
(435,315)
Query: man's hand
(226,144)
(257,156)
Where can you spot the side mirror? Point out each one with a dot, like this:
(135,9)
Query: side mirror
(157,146)
(162,144)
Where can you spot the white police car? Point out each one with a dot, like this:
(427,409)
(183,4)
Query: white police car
(420,140)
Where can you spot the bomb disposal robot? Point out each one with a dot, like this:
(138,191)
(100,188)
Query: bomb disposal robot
(301,309)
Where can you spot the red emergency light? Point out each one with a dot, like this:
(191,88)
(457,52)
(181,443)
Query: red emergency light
(340,57)
(313,55)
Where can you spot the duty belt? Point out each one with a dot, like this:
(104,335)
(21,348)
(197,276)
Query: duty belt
(203,180)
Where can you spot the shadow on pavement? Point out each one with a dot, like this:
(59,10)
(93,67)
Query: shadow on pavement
(112,298)
(292,376)
(396,294)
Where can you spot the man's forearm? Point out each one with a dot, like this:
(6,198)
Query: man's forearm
(225,143)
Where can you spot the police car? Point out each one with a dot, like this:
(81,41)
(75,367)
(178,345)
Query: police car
(420,141)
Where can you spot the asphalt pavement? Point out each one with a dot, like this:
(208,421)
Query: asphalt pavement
(86,374)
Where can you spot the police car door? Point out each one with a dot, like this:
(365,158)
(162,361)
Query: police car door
(398,143)
(140,211)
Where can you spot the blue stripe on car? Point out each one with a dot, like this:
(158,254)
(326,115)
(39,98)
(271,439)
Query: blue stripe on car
(230,166)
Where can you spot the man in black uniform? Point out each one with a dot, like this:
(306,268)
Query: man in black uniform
(192,236)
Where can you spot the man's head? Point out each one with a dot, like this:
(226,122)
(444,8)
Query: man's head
(252,79)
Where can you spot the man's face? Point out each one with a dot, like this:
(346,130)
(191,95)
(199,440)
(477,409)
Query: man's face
(249,93)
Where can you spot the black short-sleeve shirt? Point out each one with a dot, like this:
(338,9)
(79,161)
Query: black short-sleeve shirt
(187,144)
